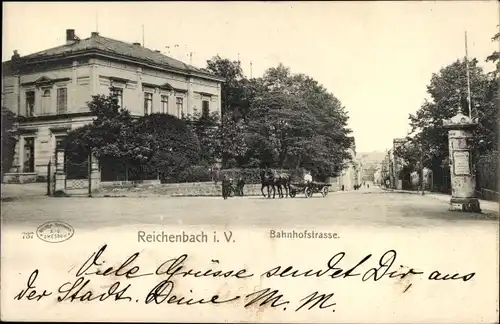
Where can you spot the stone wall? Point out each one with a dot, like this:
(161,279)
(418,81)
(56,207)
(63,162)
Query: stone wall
(196,189)
(20,177)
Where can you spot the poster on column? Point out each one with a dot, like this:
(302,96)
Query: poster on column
(461,163)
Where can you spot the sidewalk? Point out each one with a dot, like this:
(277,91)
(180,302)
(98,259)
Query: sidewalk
(23,191)
(486,205)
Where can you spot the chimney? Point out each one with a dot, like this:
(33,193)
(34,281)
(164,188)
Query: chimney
(70,36)
(15,61)
(136,44)
(16,56)
(93,34)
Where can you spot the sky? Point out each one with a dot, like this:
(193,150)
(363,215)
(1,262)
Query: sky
(376,57)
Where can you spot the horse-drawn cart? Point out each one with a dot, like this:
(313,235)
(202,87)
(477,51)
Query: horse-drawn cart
(309,188)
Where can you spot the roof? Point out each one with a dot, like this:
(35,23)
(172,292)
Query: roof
(120,49)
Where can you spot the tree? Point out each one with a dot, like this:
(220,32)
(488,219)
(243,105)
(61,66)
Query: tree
(495,56)
(231,145)
(232,72)
(149,145)
(297,119)
(106,135)
(170,143)
(206,128)
(8,139)
(448,92)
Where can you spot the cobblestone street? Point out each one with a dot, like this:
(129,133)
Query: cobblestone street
(366,207)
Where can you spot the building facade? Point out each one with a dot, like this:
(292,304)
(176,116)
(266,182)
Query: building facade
(350,176)
(49,91)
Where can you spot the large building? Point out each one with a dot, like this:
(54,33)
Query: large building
(50,89)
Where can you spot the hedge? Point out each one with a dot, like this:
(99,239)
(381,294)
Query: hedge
(251,176)
(199,173)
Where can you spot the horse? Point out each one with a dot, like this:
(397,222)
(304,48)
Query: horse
(282,180)
(267,180)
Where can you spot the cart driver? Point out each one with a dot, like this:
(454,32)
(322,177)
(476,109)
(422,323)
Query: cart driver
(307,177)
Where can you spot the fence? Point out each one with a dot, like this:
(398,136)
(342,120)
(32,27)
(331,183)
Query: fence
(487,176)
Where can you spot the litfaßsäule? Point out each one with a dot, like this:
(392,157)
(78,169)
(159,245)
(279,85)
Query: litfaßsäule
(305,234)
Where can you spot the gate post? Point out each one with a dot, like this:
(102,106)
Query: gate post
(94,177)
(60,174)
(49,175)
(89,172)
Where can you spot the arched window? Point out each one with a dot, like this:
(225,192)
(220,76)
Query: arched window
(46,102)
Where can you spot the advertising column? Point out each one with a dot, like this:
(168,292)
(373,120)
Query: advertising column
(462,170)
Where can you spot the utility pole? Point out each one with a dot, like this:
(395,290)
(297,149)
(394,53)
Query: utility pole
(468,77)
(250,69)
(422,167)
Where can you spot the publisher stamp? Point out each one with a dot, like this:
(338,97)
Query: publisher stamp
(55,232)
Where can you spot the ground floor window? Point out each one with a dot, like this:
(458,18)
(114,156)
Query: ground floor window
(180,106)
(205,108)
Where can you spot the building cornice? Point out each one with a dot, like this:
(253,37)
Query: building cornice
(204,93)
(44,81)
(115,56)
(23,120)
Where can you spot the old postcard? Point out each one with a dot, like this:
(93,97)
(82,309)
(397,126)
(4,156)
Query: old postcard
(270,162)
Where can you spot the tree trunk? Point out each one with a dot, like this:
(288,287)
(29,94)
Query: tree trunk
(299,160)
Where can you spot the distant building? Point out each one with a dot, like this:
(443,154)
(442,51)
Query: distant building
(50,89)
(397,163)
(351,175)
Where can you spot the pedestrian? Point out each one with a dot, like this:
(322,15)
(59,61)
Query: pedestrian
(226,186)
(240,186)
(343,187)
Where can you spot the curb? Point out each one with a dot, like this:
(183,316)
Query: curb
(485,211)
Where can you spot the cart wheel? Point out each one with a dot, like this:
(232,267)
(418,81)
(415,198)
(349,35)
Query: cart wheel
(292,194)
(308,192)
(324,191)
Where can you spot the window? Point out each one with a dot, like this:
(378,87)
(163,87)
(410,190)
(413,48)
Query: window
(164,104)
(46,102)
(29,155)
(148,103)
(205,108)
(30,103)
(118,93)
(62,100)
(180,107)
